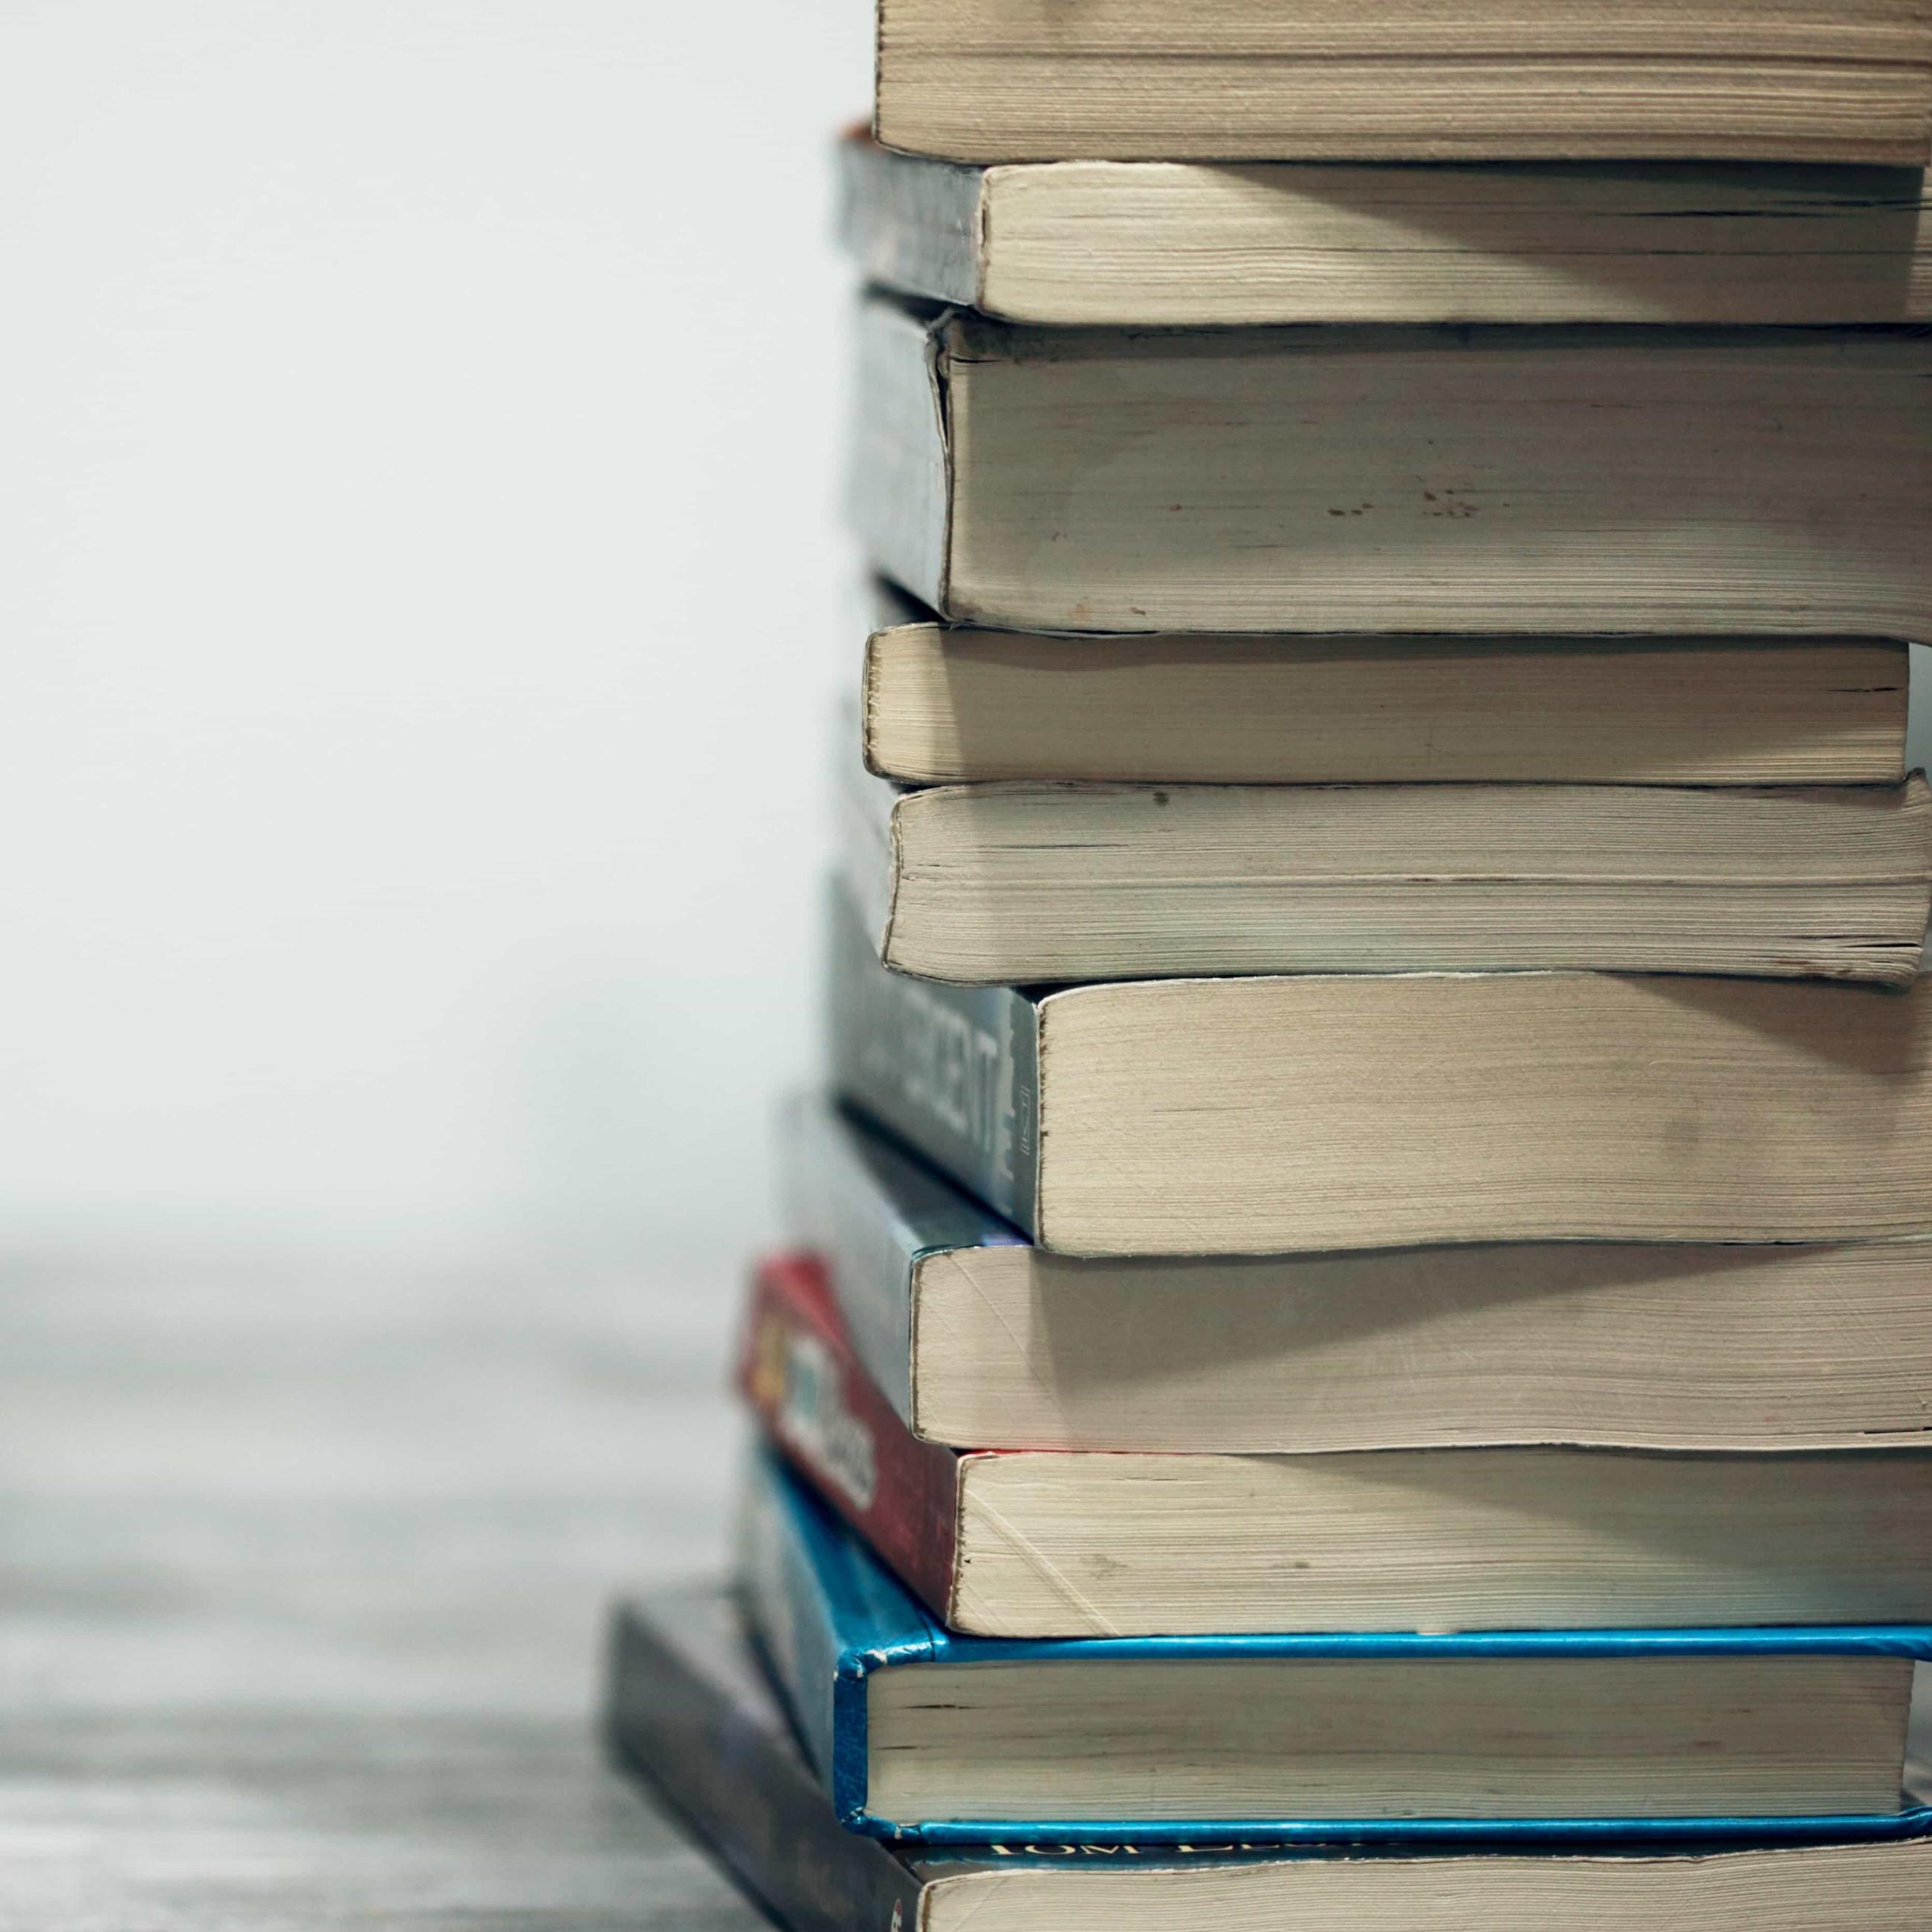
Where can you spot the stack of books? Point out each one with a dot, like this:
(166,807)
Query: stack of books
(1358,1348)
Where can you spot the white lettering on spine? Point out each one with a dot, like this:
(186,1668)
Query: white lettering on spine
(949,1069)
(813,1418)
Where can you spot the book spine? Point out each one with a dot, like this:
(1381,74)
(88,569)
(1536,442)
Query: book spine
(955,1070)
(798,1369)
(825,1616)
(793,1621)
(836,1204)
(738,1781)
(872,1213)
(911,224)
(868,844)
(900,483)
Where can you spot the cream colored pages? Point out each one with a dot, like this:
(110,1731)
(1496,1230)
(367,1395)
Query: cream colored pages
(1624,1344)
(1474,1738)
(1408,79)
(1505,481)
(1167,244)
(944,704)
(1881,1887)
(1031,884)
(1267,1115)
(1438,1539)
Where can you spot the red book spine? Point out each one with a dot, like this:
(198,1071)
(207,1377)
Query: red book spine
(797,1369)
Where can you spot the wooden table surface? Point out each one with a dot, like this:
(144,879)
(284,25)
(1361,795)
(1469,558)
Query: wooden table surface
(301,1585)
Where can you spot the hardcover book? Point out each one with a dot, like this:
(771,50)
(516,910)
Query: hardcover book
(978,1339)
(687,1708)
(997,80)
(1170,244)
(1751,1736)
(1666,482)
(1046,1543)
(1274,1115)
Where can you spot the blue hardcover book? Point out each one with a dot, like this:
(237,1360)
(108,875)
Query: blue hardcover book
(689,1710)
(1763,1736)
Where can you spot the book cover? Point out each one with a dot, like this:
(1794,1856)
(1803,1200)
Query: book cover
(827,1615)
(686,1707)
(955,1070)
(873,1213)
(688,1710)
(797,1369)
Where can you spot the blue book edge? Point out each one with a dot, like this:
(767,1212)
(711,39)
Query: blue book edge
(827,1615)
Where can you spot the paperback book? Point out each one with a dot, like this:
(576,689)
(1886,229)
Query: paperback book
(977,1339)
(1165,243)
(947,704)
(1486,480)
(1052,883)
(1046,1543)
(688,1709)
(995,80)
(1274,1115)
(1611,1736)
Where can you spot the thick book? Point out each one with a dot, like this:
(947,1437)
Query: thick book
(1276,1114)
(687,1708)
(1000,80)
(977,1339)
(1032,883)
(1052,1543)
(1487,480)
(946,703)
(1757,1735)
(1171,245)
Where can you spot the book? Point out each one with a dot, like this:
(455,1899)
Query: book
(922,1734)
(1271,1115)
(689,1710)
(945,703)
(977,1339)
(687,1706)
(1487,480)
(1177,245)
(997,80)
(1035,1543)
(1032,883)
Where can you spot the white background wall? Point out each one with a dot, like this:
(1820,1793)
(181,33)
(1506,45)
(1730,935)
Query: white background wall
(421,601)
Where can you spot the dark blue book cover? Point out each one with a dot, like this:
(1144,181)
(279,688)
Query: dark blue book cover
(829,1618)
